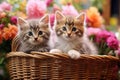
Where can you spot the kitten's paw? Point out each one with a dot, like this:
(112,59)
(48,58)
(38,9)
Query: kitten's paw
(74,54)
(55,51)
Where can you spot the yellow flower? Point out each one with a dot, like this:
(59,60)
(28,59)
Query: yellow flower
(22,5)
(65,1)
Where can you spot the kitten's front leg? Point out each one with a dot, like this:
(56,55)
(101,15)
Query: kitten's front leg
(74,54)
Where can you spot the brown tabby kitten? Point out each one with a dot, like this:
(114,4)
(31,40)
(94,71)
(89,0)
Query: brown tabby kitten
(70,36)
(34,34)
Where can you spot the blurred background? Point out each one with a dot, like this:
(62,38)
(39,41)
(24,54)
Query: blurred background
(104,13)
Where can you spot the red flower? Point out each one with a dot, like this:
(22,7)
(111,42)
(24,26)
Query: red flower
(48,2)
(1,26)
(13,20)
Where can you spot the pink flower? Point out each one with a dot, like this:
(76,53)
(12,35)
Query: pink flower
(52,18)
(113,43)
(93,31)
(69,10)
(56,8)
(1,9)
(5,6)
(102,36)
(13,19)
(48,2)
(36,8)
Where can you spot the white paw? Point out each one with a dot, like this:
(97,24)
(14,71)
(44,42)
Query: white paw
(55,51)
(74,54)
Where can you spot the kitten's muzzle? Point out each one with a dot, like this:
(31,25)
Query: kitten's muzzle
(69,35)
(36,39)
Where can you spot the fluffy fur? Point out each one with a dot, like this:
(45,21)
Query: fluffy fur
(34,34)
(70,36)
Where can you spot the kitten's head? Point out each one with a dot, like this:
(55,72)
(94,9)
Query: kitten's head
(34,31)
(69,28)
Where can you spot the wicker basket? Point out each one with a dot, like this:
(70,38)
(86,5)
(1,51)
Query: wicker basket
(46,66)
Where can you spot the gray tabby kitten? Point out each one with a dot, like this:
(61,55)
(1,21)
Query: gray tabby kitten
(34,34)
(70,36)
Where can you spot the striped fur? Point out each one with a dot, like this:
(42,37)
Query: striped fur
(34,36)
(71,35)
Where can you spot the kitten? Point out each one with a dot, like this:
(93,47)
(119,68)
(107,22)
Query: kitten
(70,36)
(34,34)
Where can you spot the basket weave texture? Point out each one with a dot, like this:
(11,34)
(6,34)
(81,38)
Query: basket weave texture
(46,66)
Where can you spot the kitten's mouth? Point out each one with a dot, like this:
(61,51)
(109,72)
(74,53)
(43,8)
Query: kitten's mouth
(68,38)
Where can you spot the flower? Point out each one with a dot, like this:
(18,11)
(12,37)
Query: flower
(9,32)
(35,8)
(102,36)
(105,41)
(52,18)
(13,30)
(93,31)
(69,10)
(2,14)
(48,2)
(65,1)
(22,5)
(56,8)
(94,18)
(21,14)
(4,6)
(112,42)
(1,26)
(13,19)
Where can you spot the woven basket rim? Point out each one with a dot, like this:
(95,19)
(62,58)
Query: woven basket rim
(41,55)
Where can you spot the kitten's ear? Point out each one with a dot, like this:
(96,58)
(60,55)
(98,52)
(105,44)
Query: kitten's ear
(20,22)
(59,15)
(81,17)
(45,19)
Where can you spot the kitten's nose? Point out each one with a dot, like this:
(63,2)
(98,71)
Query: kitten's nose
(69,34)
(36,39)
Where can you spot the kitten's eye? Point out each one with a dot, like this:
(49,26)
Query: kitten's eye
(64,28)
(40,33)
(74,29)
(30,33)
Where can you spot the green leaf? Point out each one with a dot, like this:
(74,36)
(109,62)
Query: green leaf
(2,60)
